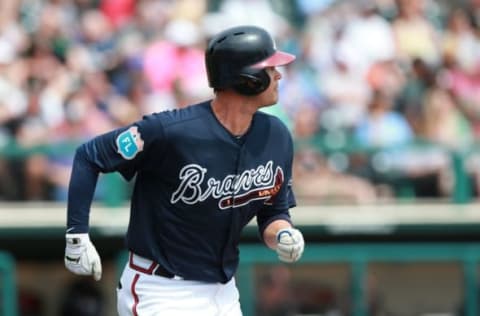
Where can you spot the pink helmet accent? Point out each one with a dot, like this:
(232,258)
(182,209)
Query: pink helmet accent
(278,59)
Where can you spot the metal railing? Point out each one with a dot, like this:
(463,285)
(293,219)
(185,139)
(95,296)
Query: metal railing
(117,188)
(8,303)
(358,257)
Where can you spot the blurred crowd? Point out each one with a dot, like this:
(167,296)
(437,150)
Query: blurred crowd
(383,100)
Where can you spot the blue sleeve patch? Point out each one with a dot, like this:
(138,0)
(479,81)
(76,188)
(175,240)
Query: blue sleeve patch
(129,143)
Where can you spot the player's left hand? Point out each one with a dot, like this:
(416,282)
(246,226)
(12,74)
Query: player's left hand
(81,257)
(290,244)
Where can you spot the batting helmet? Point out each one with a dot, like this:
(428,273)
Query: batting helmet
(237,57)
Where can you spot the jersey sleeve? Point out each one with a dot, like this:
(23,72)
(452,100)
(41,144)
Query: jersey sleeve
(124,150)
(284,200)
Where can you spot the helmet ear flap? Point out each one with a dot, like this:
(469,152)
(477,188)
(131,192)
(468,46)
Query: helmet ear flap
(252,83)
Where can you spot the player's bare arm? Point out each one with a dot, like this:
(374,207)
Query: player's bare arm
(270,233)
(286,240)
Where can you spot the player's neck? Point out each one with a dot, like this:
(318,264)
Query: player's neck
(234,114)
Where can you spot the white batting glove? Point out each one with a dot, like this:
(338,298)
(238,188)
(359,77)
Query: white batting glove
(290,244)
(81,257)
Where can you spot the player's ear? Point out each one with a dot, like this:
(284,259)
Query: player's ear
(251,81)
(252,84)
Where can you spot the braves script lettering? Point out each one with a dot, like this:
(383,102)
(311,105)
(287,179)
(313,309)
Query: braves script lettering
(255,184)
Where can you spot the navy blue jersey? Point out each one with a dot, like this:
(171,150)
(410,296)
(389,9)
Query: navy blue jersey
(196,186)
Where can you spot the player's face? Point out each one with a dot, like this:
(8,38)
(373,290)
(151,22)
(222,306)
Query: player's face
(270,95)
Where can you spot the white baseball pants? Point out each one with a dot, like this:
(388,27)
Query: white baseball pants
(142,293)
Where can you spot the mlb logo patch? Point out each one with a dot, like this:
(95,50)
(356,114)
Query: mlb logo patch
(129,143)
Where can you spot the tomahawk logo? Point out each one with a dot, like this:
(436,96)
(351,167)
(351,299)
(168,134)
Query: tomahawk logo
(233,190)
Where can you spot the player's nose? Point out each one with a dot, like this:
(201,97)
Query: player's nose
(276,74)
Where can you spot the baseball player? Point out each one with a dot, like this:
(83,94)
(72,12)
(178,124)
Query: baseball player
(201,174)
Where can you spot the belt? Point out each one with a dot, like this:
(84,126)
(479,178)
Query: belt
(148,266)
(161,271)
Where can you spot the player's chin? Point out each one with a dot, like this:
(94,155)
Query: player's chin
(266,104)
(274,99)
(268,99)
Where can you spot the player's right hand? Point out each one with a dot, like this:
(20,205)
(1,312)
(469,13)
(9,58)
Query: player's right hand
(290,244)
(81,257)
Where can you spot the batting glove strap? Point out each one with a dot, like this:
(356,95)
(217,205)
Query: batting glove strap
(81,257)
(290,244)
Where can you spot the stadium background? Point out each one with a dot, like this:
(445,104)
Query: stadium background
(383,103)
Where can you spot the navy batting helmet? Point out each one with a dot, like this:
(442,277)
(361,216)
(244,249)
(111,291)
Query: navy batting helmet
(237,57)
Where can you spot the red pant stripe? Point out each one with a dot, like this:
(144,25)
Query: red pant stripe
(134,293)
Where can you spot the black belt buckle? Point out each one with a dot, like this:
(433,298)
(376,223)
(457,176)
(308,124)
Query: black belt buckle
(161,271)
